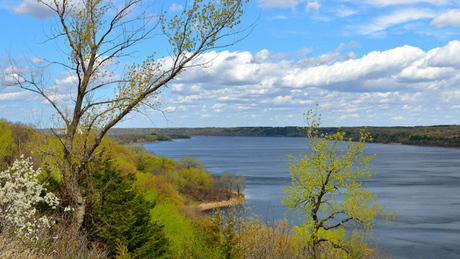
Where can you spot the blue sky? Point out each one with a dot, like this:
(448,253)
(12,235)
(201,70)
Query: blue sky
(368,62)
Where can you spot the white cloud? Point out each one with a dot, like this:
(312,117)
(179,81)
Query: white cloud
(438,64)
(452,17)
(349,116)
(280,3)
(447,56)
(323,59)
(312,6)
(280,17)
(343,11)
(405,77)
(176,7)
(398,17)
(417,74)
(34,8)
(14,96)
(261,56)
(189,99)
(372,66)
(303,52)
(233,69)
(171,109)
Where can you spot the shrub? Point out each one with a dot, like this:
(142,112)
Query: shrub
(20,193)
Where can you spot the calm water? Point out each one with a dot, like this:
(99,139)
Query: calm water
(422,184)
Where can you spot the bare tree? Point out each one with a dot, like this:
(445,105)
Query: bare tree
(92,37)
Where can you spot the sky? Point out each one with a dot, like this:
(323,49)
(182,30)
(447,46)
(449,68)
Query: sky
(365,63)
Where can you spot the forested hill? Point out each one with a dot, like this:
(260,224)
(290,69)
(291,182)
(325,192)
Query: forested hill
(442,135)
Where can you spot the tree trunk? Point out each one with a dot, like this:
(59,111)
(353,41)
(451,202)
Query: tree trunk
(79,211)
(72,193)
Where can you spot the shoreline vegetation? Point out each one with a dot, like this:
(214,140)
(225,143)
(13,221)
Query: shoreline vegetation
(437,136)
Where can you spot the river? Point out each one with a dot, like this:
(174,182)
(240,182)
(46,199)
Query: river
(422,184)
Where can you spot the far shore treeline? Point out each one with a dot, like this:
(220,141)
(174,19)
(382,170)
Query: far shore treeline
(440,136)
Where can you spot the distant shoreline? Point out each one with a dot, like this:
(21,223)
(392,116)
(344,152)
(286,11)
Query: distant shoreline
(429,136)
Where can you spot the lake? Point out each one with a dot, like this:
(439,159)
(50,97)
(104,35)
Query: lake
(422,184)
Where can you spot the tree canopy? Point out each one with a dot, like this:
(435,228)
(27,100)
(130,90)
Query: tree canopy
(338,211)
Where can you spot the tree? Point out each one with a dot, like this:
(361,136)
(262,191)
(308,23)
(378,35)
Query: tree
(338,210)
(93,36)
(135,229)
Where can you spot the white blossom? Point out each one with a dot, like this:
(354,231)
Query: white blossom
(19,193)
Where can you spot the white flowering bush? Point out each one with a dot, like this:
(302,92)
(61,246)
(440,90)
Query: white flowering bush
(20,192)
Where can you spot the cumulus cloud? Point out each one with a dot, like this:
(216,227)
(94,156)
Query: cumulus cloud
(452,17)
(400,81)
(414,73)
(234,69)
(446,56)
(373,66)
(397,17)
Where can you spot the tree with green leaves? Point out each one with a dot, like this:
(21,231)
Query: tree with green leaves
(337,211)
(96,39)
(122,215)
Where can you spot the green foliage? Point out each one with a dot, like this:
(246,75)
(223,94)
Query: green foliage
(328,193)
(17,139)
(123,215)
(157,188)
(7,144)
(229,240)
(187,241)
(190,162)
(139,138)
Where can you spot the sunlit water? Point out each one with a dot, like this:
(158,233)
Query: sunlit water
(422,184)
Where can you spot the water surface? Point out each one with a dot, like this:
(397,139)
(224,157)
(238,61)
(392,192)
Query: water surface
(422,184)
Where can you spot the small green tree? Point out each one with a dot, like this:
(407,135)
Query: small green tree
(338,211)
(123,216)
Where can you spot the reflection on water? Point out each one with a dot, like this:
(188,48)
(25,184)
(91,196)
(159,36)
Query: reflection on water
(422,184)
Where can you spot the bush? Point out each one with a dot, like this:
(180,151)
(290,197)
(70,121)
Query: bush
(20,193)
